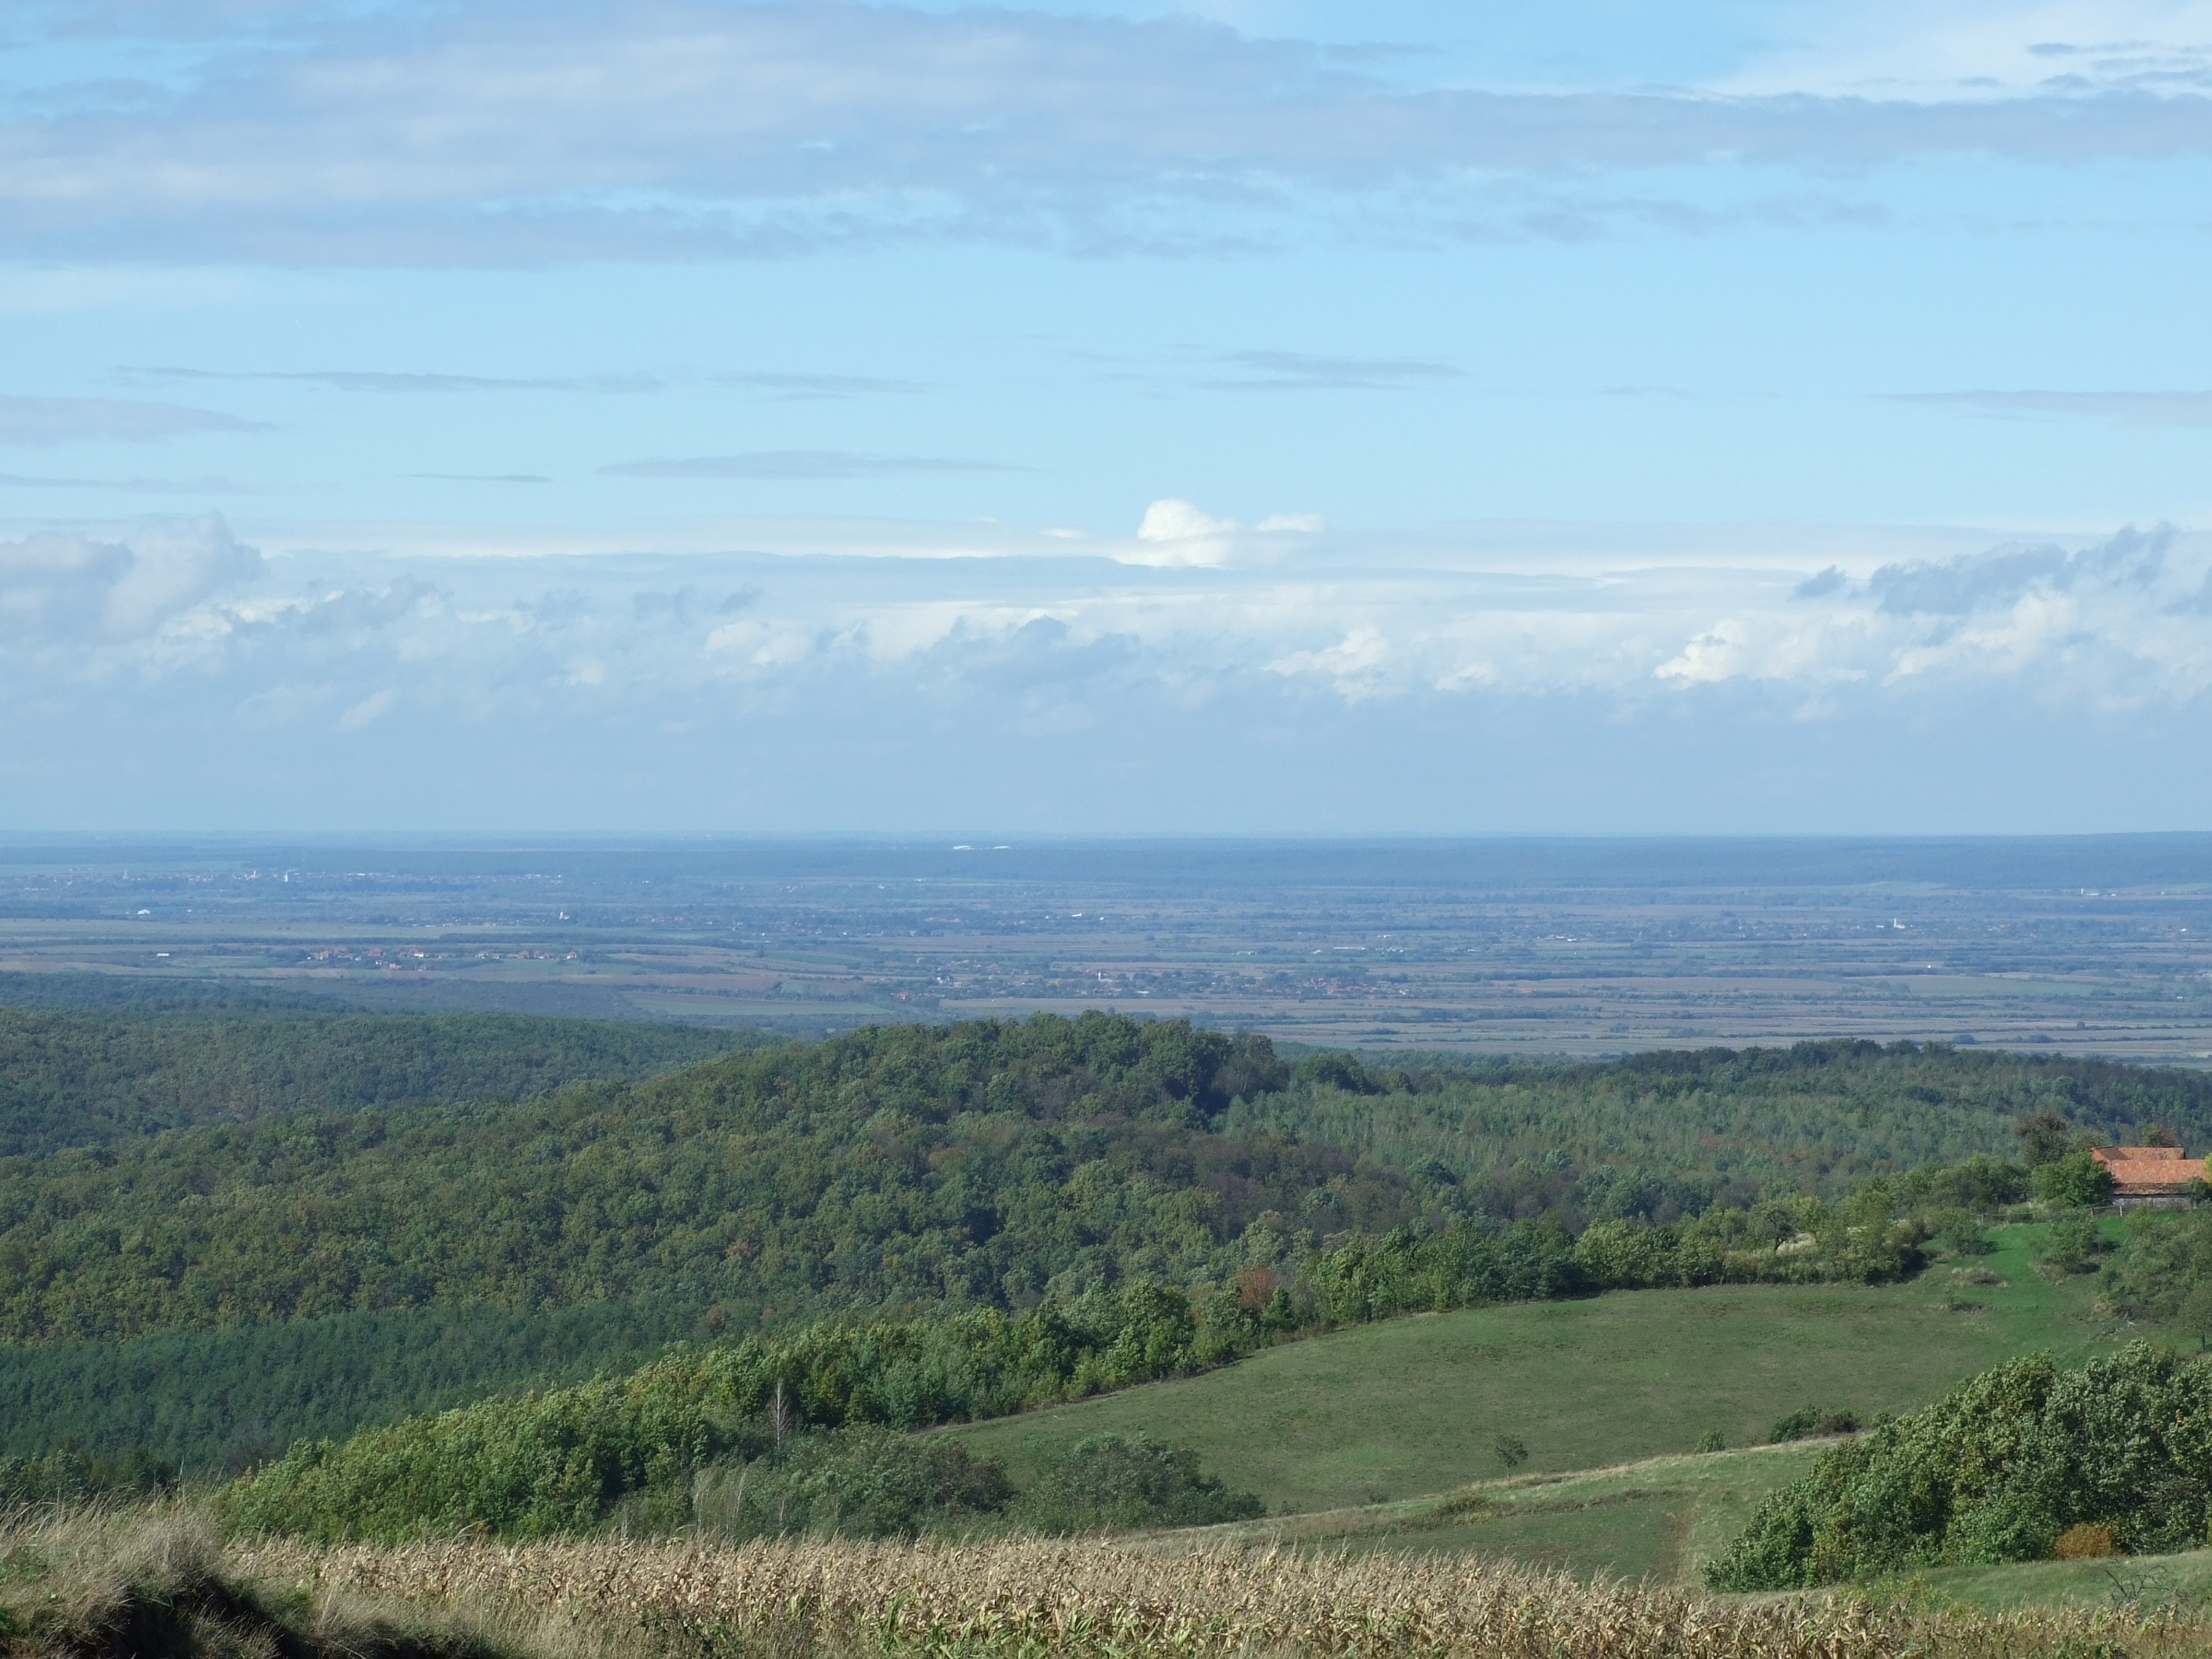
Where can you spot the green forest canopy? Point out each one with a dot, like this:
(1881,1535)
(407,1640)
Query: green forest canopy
(994,1163)
(229,1225)
(81,1077)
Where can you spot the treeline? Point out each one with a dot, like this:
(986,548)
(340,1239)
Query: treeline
(83,1079)
(213,1401)
(2019,1464)
(1667,1134)
(994,1164)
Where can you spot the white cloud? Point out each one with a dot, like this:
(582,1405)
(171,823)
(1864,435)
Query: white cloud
(61,587)
(1356,664)
(850,663)
(367,710)
(1473,614)
(1715,656)
(1172,520)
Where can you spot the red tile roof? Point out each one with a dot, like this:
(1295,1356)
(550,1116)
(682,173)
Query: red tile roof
(2147,1171)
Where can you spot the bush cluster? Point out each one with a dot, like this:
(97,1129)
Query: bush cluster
(561,1459)
(2001,1469)
(872,1483)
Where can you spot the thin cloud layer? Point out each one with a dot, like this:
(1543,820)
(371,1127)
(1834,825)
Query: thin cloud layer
(2149,408)
(797,463)
(495,133)
(344,379)
(48,421)
(1300,371)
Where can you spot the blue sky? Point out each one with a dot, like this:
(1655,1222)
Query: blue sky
(1300,417)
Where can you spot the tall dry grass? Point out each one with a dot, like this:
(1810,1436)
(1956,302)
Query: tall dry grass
(1099,1600)
(156,1581)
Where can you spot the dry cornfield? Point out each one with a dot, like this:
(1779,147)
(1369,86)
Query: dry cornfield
(1091,1599)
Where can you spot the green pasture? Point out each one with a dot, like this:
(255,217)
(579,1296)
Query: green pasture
(1659,1518)
(1415,1407)
(2145,1582)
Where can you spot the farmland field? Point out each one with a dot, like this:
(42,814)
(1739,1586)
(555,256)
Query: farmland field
(1528,947)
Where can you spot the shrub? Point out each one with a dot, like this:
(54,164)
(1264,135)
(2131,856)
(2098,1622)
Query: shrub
(2072,1245)
(1998,1470)
(1808,1422)
(1712,1440)
(853,1483)
(2076,1180)
(1115,1482)
(2084,1541)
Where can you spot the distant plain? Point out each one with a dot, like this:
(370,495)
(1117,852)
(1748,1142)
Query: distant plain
(2098,944)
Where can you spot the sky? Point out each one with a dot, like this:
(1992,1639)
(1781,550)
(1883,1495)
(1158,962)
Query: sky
(1735,416)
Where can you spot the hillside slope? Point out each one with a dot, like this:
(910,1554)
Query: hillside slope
(1416,1405)
(994,1163)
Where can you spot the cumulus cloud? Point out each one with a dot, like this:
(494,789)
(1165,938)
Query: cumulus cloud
(59,587)
(495,133)
(1364,620)
(2003,575)
(1173,519)
(1421,643)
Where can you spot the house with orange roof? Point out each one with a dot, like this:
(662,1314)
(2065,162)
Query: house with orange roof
(2149,1176)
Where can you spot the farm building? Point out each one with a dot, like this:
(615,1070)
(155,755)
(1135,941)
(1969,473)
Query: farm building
(2150,1175)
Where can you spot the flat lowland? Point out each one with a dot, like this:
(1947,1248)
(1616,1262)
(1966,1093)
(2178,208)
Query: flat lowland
(1416,1407)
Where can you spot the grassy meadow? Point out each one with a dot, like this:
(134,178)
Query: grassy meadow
(1657,1519)
(1413,1407)
(2182,1582)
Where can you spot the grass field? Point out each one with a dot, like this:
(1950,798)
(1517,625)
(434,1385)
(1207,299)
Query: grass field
(2182,1582)
(1410,1407)
(1658,1519)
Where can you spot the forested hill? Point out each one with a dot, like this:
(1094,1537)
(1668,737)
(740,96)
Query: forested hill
(83,990)
(1671,1131)
(989,1162)
(83,1077)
